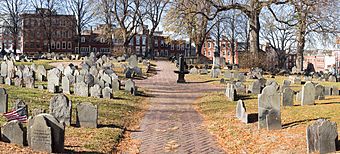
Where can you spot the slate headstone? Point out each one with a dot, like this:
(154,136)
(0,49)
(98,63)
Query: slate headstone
(269,115)
(87,115)
(61,108)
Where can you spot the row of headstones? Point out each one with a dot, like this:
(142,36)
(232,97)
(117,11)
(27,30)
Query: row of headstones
(45,132)
(269,117)
(297,79)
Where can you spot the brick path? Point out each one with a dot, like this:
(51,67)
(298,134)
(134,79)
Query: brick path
(172,124)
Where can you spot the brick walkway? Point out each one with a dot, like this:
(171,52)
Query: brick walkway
(172,124)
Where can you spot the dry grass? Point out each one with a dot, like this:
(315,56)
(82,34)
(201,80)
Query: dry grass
(237,137)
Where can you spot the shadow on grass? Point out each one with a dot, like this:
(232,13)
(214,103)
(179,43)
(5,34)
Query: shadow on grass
(143,94)
(87,152)
(243,97)
(295,123)
(337,145)
(252,117)
(328,103)
(111,126)
(201,82)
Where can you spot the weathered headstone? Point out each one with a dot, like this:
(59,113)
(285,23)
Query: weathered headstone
(319,92)
(287,97)
(241,111)
(29,82)
(107,93)
(322,137)
(335,91)
(95,91)
(269,114)
(61,109)
(13,132)
(255,87)
(230,92)
(130,86)
(193,70)
(115,85)
(46,134)
(3,100)
(4,70)
(87,115)
(81,89)
(65,85)
(308,94)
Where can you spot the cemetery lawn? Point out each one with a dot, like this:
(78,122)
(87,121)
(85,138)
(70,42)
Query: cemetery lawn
(237,137)
(115,116)
(46,63)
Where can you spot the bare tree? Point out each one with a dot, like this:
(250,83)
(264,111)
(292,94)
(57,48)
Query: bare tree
(153,12)
(279,36)
(310,17)
(181,20)
(105,14)
(126,13)
(45,10)
(10,11)
(84,12)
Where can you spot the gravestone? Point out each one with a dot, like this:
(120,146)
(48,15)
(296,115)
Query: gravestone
(20,104)
(4,69)
(203,71)
(18,82)
(240,87)
(215,72)
(322,137)
(107,93)
(130,86)
(53,80)
(241,113)
(269,115)
(89,79)
(95,91)
(87,115)
(298,96)
(319,92)
(227,74)
(328,91)
(41,73)
(115,85)
(230,92)
(81,89)
(3,100)
(295,79)
(65,85)
(331,78)
(287,97)
(255,87)
(13,132)
(29,82)
(335,91)
(46,134)
(308,94)
(61,109)
(107,79)
(132,61)
(193,71)
(8,81)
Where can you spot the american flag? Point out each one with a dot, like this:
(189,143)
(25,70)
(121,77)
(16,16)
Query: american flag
(19,114)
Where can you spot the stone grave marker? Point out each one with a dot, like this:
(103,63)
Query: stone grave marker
(87,115)
(61,108)
(241,113)
(3,100)
(319,92)
(107,93)
(287,97)
(230,92)
(46,134)
(308,94)
(130,86)
(81,89)
(322,137)
(335,91)
(269,115)
(95,91)
(13,132)
(65,85)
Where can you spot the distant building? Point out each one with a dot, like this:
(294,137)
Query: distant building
(210,46)
(6,38)
(46,31)
(322,59)
(93,41)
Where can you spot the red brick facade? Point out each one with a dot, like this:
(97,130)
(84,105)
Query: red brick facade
(209,48)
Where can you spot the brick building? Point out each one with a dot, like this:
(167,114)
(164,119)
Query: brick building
(93,41)
(45,30)
(210,46)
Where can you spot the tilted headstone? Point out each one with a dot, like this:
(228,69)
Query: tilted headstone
(287,97)
(3,100)
(308,94)
(61,109)
(319,92)
(46,134)
(132,61)
(322,137)
(241,113)
(95,91)
(87,115)
(269,115)
(13,132)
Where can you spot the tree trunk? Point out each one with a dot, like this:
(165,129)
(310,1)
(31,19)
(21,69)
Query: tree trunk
(254,23)
(198,52)
(301,41)
(151,47)
(15,45)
